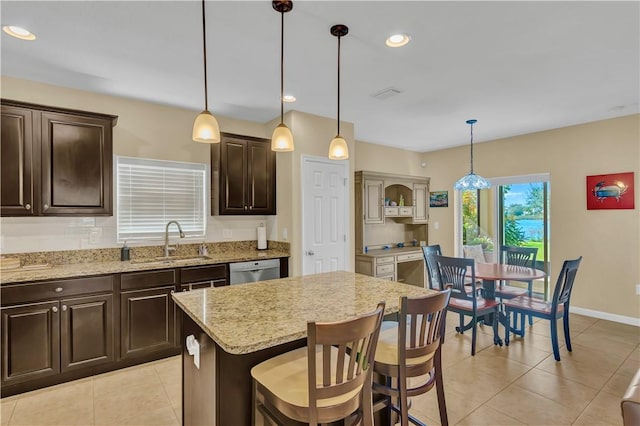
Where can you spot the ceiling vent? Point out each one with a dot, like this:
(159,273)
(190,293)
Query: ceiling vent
(386,93)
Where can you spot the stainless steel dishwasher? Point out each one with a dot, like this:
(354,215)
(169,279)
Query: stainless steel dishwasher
(256,270)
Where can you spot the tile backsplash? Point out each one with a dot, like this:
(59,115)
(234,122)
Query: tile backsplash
(37,234)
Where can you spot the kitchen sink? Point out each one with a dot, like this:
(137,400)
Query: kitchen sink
(169,260)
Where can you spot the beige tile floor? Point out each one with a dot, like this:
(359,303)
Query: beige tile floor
(521,384)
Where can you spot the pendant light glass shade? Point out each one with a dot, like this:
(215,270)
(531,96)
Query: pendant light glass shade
(472,180)
(282,138)
(338,149)
(205,128)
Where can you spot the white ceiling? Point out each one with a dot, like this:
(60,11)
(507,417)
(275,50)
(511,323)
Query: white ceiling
(518,67)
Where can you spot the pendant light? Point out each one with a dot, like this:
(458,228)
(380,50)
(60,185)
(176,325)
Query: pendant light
(472,180)
(205,128)
(338,149)
(282,139)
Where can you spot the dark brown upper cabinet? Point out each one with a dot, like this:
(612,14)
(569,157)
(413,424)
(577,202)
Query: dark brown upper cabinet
(243,178)
(55,162)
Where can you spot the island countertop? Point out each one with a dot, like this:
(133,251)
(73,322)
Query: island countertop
(250,317)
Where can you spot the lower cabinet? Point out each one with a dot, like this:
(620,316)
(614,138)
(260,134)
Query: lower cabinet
(46,338)
(30,341)
(147,322)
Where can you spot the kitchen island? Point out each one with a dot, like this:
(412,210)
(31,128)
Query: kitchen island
(240,326)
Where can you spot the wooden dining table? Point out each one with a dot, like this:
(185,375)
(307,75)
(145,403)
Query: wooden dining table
(489,273)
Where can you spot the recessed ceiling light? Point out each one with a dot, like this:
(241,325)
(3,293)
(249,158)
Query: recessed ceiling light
(18,32)
(288,98)
(397,40)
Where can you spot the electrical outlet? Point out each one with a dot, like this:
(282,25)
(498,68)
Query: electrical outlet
(284,234)
(227,233)
(94,235)
(638,289)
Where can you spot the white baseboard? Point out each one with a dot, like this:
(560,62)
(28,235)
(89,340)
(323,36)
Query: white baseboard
(605,316)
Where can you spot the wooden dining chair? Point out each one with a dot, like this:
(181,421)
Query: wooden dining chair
(325,381)
(455,273)
(557,308)
(517,256)
(432,268)
(409,355)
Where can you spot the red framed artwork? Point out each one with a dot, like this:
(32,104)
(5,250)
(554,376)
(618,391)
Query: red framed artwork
(612,191)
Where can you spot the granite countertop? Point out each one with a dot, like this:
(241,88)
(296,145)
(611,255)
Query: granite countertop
(393,251)
(250,317)
(113,267)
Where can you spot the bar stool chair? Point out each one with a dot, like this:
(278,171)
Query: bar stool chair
(411,350)
(328,380)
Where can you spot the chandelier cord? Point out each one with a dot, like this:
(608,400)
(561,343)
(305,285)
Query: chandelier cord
(471,148)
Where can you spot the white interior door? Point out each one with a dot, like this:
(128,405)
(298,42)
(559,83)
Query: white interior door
(324,215)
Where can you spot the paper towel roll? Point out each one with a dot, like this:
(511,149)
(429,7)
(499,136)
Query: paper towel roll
(262,237)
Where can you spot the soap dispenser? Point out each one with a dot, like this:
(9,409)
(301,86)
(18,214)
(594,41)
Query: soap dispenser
(124,252)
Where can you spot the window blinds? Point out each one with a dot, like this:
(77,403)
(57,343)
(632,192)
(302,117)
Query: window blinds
(153,192)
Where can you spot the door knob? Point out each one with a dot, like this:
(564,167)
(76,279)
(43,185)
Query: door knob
(45,207)
(310,253)
(27,206)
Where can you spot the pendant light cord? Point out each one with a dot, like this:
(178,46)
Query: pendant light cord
(339,37)
(204,48)
(471,148)
(282,68)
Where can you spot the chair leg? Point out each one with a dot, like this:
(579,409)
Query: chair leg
(565,322)
(522,318)
(403,400)
(530,295)
(461,330)
(473,337)
(442,406)
(367,401)
(507,329)
(554,338)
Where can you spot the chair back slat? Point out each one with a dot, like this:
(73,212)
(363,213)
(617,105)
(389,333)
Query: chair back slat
(432,273)
(455,272)
(423,319)
(519,256)
(347,353)
(564,285)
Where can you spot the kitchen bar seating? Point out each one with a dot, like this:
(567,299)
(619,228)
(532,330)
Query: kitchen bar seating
(326,381)
(455,273)
(412,351)
(552,311)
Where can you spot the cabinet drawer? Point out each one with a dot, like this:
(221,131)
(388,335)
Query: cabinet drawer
(391,211)
(55,289)
(409,256)
(147,279)
(385,269)
(406,211)
(386,259)
(386,277)
(203,273)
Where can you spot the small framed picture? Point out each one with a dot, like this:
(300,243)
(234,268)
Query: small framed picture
(439,199)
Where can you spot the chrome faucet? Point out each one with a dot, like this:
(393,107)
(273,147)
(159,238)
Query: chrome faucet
(167,248)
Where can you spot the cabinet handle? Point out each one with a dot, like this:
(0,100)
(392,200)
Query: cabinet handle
(245,207)
(64,307)
(54,309)
(45,207)
(250,207)
(58,289)
(173,291)
(27,206)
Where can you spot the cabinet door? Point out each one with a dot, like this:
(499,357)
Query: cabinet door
(420,200)
(16,157)
(86,331)
(146,321)
(76,164)
(261,171)
(233,176)
(30,341)
(373,201)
